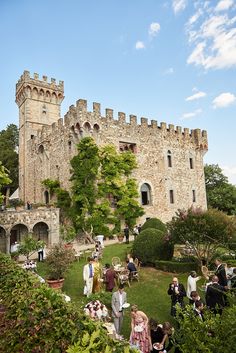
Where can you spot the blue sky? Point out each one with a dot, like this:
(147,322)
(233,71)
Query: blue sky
(168,60)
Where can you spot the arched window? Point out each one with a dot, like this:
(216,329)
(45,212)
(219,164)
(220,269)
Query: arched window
(169,159)
(40,231)
(41,149)
(145,194)
(46,197)
(96,127)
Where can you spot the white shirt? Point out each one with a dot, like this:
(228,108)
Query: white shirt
(120,300)
(191,285)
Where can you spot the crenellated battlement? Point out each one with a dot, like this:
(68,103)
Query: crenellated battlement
(25,77)
(78,117)
(39,89)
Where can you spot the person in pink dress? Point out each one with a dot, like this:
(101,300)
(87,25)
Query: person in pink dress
(139,335)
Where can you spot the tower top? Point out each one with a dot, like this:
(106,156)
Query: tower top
(29,87)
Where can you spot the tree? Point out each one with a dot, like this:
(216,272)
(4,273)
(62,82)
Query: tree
(9,139)
(220,193)
(202,231)
(29,246)
(4,179)
(103,192)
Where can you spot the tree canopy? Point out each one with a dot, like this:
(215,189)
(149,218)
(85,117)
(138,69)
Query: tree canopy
(4,179)
(202,231)
(103,192)
(8,153)
(220,193)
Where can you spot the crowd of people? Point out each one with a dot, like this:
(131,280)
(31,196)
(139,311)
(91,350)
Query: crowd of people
(147,334)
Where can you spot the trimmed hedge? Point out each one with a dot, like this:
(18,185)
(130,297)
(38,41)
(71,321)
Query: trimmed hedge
(176,266)
(154,223)
(150,245)
(38,320)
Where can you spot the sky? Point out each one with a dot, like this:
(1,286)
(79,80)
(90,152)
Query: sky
(173,61)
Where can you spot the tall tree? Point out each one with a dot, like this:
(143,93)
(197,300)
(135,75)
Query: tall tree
(103,191)
(8,153)
(220,193)
(4,179)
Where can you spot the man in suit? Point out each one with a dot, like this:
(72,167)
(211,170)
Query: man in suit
(110,277)
(177,292)
(88,273)
(198,310)
(118,299)
(215,296)
(220,272)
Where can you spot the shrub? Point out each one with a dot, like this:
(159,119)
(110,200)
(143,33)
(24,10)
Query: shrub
(58,261)
(147,247)
(176,266)
(37,318)
(154,223)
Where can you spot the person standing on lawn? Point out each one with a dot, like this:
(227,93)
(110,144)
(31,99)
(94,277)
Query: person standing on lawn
(126,233)
(220,272)
(119,298)
(88,273)
(192,284)
(177,292)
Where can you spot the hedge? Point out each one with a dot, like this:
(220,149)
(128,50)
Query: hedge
(154,223)
(37,318)
(176,266)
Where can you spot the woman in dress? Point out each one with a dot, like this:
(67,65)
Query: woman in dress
(97,275)
(139,330)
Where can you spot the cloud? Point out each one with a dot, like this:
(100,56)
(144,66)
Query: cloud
(230,172)
(213,38)
(139,45)
(191,115)
(179,5)
(168,71)
(224,5)
(224,100)
(195,96)
(154,28)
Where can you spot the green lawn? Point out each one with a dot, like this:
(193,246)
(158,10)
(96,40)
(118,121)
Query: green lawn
(150,293)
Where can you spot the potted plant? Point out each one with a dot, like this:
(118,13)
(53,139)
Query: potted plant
(58,262)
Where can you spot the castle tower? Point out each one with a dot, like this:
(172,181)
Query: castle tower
(39,105)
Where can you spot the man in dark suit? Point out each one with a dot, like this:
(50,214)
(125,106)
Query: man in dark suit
(220,272)
(198,310)
(177,292)
(215,296)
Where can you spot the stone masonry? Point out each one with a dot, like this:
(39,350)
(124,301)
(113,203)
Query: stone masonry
(170,173)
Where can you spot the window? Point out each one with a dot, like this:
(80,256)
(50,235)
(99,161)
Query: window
(169,160)
(191,162)
(145,194)
(69,144)
(171,196)
(194,195)
(127,146)
(46,197)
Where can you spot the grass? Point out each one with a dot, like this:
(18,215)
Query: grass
(150,293)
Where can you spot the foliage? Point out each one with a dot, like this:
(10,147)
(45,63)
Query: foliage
(4,179)
(29,246)
(37,318)
(58,261)
(213,335)
(67,233)
(8,155)
(203,231)
(51,185)
(16,202)
(103,193)
(220,193)
(176,266)
(147,247)
(154,223)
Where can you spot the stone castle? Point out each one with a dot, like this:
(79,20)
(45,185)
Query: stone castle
(170,171)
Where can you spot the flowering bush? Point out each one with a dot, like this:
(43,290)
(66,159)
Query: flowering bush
(29,265)
(96,310)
